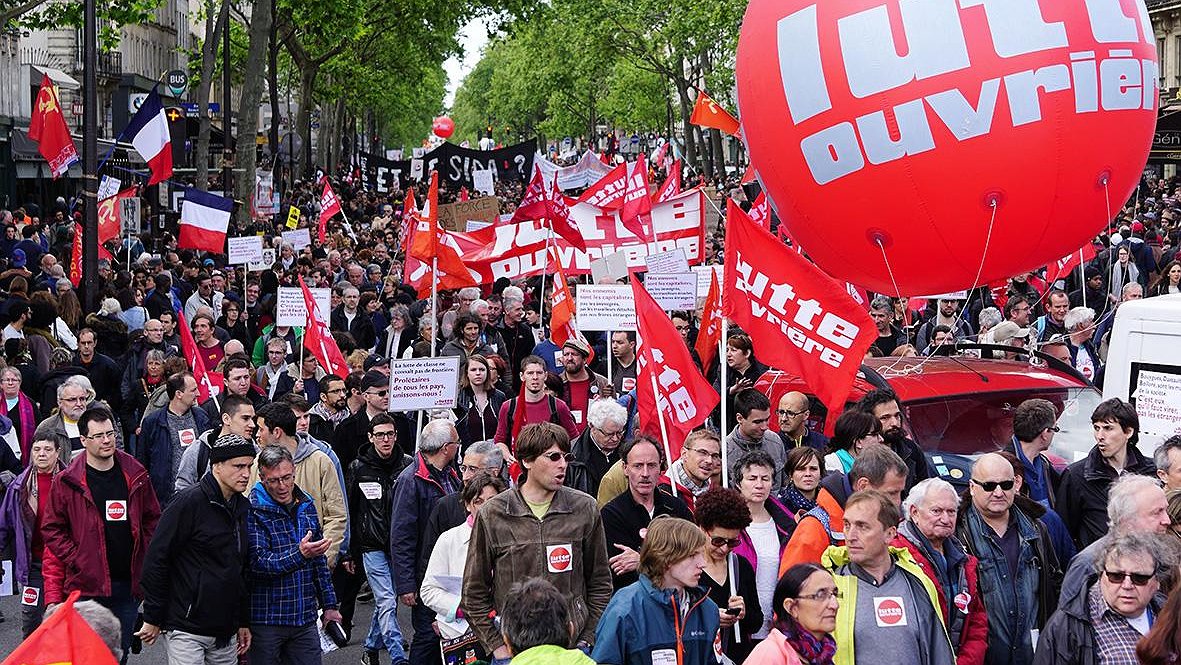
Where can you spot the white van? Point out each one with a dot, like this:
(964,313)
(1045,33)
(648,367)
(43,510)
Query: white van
(1144,365)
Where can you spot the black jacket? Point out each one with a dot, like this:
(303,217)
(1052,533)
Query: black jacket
(1082,494)
(370,494)
(592,463)
(447,514)
(1068,638)
(194,576)
(518,343)
(106,376)
(361,329)
(916,462)
(625,522)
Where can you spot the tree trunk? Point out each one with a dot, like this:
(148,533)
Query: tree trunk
(273,91)
(327,120)
(715,138)
(337,134)
(214,26)
(252,84)
(686,109)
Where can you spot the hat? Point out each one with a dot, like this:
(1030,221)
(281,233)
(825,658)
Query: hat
(374,379)
(1007,330)
(578,345)
(376,361)
(229,446)
(208,262)
(1091,272)
(18,258)
(1116,239)
(1138,227)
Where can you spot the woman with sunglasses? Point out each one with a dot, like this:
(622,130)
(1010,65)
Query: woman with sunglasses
(665,617)
(806,603)
(854,430)
(1115,609)
(722,514)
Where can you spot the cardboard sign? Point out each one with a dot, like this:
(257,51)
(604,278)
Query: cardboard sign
(605,307)
(424,383)
(298,238)
(268,260)
(290,309)
(482,182)
(454,216)
(673,290)
(245,249)
(672,261)
(293,217)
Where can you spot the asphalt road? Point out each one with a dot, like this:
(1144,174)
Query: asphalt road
(10,636)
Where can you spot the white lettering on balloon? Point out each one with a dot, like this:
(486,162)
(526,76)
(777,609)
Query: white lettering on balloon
(933,42)
(804,322)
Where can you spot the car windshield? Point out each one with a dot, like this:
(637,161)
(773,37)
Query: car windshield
(980,423)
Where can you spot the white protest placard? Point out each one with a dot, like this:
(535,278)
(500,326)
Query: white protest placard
(605,307)
(672,261)
(673,290)
(268,260)
(476,225)
(1156,394)
(298,238)
(482,181)
(244,249)
(417,153)
(424,383)
(108,187)
(129,214)
(609,269)
(290,310)
(416,169)
(954,295)
(703,276)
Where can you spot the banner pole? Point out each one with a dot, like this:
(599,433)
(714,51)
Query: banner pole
(549,236)
(663,430)
(1082,276)
(724,370)
(733,574)
(610,357)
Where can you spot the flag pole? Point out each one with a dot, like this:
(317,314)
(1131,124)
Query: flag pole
(731,564)
(723,368)
(1082,276)
(434,319)
(549,236)
(663,429)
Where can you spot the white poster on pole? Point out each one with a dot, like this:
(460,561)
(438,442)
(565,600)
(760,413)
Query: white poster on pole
(703,277)
(290,309)
(244,249)
(424,383)
(672,261)
(605,307)
(609,269)
(673,290)
(298,238)
(108,187)
(482,182)
(416,169)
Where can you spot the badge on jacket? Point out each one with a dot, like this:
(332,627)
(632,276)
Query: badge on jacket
(558,558)
(962,600)
(116,510)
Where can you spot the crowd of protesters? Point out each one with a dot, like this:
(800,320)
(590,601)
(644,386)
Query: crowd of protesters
(538,521)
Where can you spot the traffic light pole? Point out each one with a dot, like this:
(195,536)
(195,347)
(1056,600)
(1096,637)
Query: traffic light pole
(227,156)
(89,157)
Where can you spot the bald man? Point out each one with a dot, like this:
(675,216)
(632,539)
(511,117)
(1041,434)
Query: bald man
(792,414)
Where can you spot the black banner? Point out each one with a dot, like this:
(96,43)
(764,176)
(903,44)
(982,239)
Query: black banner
(455,164)
(381,174)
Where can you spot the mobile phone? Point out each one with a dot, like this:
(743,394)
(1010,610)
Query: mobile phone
(733,611)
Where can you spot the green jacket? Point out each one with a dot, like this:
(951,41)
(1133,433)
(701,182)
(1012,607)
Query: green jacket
(548,654)
(834,559)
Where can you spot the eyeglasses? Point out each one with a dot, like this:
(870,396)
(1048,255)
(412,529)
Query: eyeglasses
(990,486)
(609,435)
(281,480)
(718,541)
(379,393)
(785,413)
(102,436)
(717,457)
(73,400)
(1118,577)
(555,456)
(383,435)
(490,470)
(1055,429)
(822,595)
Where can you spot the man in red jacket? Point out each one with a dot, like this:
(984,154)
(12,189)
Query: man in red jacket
(102,513)
(929,533)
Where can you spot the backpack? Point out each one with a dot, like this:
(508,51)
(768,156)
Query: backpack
(512,408)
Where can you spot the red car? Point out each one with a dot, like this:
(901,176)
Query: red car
(959,407)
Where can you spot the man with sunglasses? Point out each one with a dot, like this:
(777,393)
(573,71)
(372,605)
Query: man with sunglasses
(1105,619)
(627,516)
(539,529)
(1018,572)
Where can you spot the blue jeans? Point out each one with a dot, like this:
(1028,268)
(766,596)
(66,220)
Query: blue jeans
(125,607)
(383,630)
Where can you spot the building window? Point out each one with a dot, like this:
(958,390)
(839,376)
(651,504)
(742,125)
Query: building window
(1160,53)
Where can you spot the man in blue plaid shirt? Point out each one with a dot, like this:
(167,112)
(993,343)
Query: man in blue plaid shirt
(288,567)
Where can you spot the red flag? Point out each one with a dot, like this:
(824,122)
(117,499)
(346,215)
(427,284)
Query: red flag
(562,325)
(637,203)
(534,202)
(707,113)
(409,215)
(463,195)
(418,274)
(607,193)
(683,398)
(711,323)
(760,212)
(329,207)
(558,212)
(64,637)
(671,186)
(109,225)
(424,242)
(318,339)
(76,257)
(1061,268)
(801,320)
(209,383)
(48,128)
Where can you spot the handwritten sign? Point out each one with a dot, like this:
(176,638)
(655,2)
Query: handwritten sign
(245,249)
(298,238)
(672,261)
(482,182)
(454,216)
(424,383)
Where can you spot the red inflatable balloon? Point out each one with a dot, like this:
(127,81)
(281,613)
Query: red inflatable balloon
(909,123)
(443,127)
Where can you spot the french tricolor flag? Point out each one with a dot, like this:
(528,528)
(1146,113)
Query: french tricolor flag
(149,135)
(204,218)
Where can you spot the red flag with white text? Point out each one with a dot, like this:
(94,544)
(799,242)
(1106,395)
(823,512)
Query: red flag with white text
(683,398)
(711,323)
(534,202)
(760,212)
(329,207)
(317,338)
(63,638)
(1061,268)
(636,211)
(607,193)
(799,319)
(48,128)
(671,185)
(562,323)
(209,383)
(558,213)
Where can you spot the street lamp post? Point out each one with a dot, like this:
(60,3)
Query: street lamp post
(90,156)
